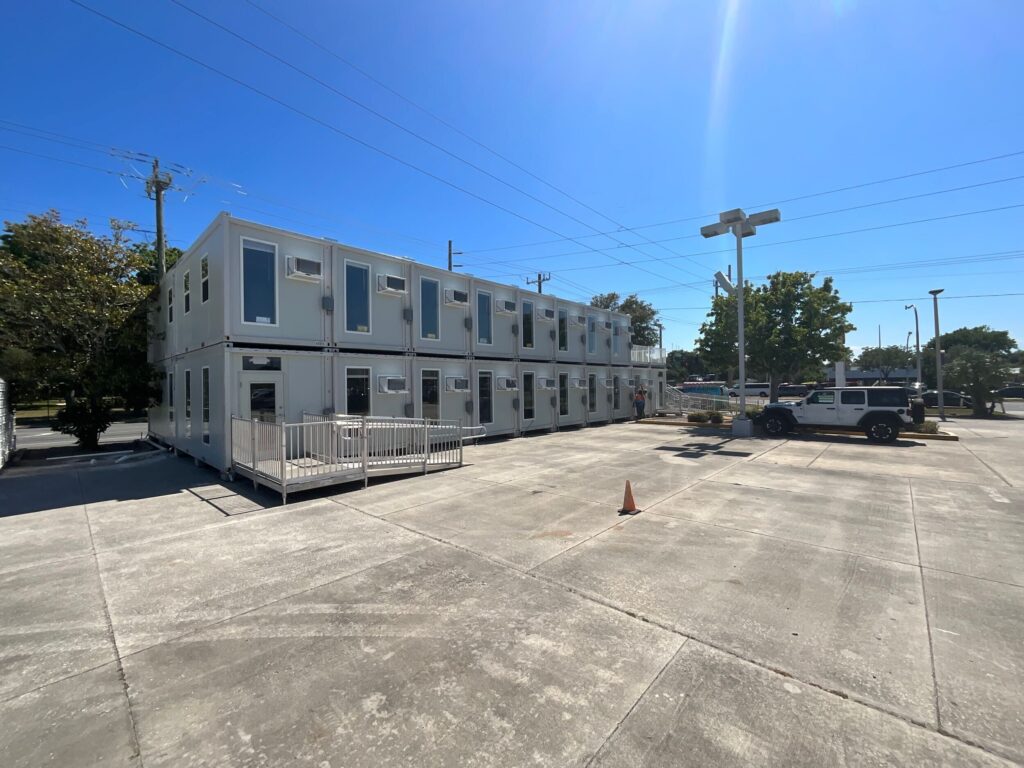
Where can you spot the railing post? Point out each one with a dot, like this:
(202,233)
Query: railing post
(426,445)
(364,438)
(284,472)
(252,454)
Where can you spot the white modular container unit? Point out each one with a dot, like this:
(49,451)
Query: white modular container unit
(621,393)
(598,333)
(442,388)
(495,320)
(571,381)
(442,305)
(599,393)
(373,385)
(538,322)
(570,331)
(371,304)
(497,396)
(621,339)
(538,386)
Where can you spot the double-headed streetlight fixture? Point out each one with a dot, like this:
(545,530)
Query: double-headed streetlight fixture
(741,225)
(917,331)
(938,351)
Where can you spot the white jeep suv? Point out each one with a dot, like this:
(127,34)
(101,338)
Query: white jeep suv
(881,412)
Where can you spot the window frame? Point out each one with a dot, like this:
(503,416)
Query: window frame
(437,373)
(858,393)
(616,393)
(369,388)
(532,318)
(204,395)
(533,394)
(170,305)
(563,401)
(188,402)
(241,282)
(186,290)
(563,324)
(204,279)
(170,397)
(490,395)
(591,334)
(591,393)
(369,296)
(437,286)
(490,318)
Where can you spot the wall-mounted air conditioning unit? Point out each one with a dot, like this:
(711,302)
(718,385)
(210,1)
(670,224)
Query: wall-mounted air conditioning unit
(609,383)
(578,319)
(507,384)
(298,268)
(456,384)
(504,307)
(392,385)
(578,383)
(546,384)
(391,284)
(630,382)
(456,298)
(607,325)
(545,314)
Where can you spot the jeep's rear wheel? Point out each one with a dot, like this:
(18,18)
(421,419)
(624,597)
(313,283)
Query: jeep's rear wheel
(882,431)
(775,426)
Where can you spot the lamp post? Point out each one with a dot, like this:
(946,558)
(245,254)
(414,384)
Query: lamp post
(938,351)
(741,226)
(917,336)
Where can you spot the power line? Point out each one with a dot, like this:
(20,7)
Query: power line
(121,174)
(944,298)
(421,138)
(837,190)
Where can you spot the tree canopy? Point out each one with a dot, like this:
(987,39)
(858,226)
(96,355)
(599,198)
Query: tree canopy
(977,373)
(884,359)
(981,338)
(643,314)
(74,318)
(791,326)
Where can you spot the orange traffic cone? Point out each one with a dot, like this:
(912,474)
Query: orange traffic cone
(629,506)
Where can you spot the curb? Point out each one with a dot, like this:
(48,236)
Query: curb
(941,436)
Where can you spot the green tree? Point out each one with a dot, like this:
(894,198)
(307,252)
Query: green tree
(884,359)
(682,363)
(74,318)
(977,373)
(643,315)
(791,326)
(981,338)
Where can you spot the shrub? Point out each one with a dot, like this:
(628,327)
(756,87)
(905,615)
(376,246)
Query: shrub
(927,428)
(698,417)
(715,417)
(753,411)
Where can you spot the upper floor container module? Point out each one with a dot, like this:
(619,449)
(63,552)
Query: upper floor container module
(247,283)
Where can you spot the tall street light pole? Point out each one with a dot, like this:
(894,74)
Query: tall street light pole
(917,336)
(938,351)
(741,225)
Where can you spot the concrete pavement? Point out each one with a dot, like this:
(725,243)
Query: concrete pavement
(815,601)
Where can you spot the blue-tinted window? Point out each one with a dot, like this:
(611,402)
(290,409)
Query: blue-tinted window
(563,331)
(259,283)
(483,318)
(486,396)
(357,298)
(528,325)
(430,310)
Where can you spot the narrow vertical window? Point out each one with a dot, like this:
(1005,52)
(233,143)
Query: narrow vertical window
(188,403)
(430,309)
(615,338)
(186,294)
(204,278)
(259,282)
(563,394)
(592,393)
(486,398)
(170,306)
(616,399)
(357,386)
(206,404)
(430,393)
(484,320)
(357,298)
(170,398)
(529,410)
(527,325)
(563,330)
(591,335)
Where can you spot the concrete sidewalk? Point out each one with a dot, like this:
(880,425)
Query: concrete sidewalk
(815,601)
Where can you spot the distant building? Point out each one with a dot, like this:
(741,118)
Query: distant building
(860,376)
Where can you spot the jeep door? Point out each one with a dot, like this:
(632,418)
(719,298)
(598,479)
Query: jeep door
(820,408)
(852,406)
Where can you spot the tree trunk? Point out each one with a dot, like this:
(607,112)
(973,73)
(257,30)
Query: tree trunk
(773,392)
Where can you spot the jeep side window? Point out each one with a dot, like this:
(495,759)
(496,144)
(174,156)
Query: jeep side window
(822,398)
(852,398)
(888,398)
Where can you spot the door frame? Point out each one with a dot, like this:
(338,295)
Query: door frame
(247,378)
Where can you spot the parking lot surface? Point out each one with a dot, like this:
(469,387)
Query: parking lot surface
(814,601)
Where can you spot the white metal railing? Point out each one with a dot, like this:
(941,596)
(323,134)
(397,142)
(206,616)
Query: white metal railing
(647,354)
(7,438)
(327,448)
(681,401)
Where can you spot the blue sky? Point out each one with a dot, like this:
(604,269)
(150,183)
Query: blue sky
(646,112)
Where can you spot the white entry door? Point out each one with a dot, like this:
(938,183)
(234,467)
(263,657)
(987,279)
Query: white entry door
(261,396)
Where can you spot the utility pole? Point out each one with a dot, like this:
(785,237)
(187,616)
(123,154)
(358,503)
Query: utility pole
(542,277)
(938,352)
(156,185)
(450,254)
(917,331)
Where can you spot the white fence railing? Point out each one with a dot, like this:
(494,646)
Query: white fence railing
(336,448)
(6,423)
(681,401)
(647,354)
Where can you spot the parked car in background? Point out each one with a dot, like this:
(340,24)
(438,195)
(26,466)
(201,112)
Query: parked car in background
(1014,390)
(793,390)
(762,389)
(949,398)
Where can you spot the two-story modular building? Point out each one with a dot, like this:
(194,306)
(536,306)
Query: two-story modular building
(260,323)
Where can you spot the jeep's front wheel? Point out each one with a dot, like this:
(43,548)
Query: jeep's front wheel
(882,431)
(775,426)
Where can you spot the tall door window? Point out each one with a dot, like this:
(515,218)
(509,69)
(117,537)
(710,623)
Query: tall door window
(259,282)
(430,392)
(563,394)
(527,325)
(263,401)
(170,306)
(188,403)
(486,395)
(204,278)
(616,398)
(563,330)
(529,410)
(170,398)
(186,291)
(484,320)
(357,391)
(206,404)
(430,309)
(357,298)
(591,335)
(592,393)
(615,338)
